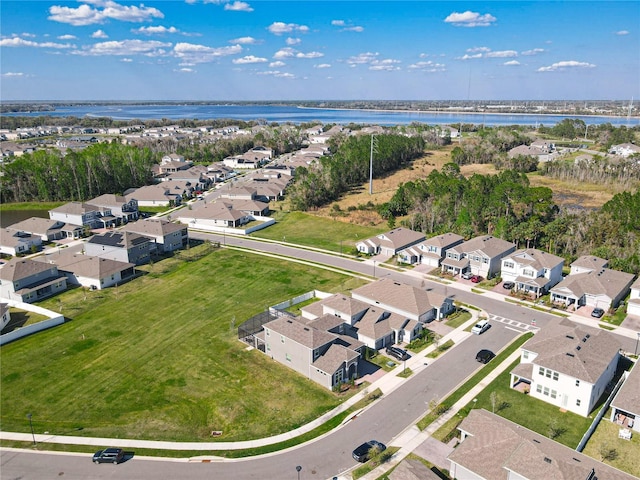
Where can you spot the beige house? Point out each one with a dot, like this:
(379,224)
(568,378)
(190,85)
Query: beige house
(480,256)
(432,251)
(391,242)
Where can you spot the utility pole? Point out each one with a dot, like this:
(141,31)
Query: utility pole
(371,167)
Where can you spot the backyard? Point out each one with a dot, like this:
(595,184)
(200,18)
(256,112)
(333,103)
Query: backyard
(159,357)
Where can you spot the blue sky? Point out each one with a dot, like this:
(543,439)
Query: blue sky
(314,50)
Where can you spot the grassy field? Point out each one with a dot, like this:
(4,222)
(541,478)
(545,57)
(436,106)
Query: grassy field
(159,357)
(606,438)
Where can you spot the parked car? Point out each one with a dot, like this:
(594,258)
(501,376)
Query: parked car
(485,356)
(109,455)
(508,285)
(361,454)
(597,312)
(480,327)
(466,275)
(476,278)
(398,353)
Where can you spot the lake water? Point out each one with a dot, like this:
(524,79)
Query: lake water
(297,115)
(14,216)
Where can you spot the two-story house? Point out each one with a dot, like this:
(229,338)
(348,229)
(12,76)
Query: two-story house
(633,305)
(27,280)
(121,246)
(391,242)
(124,209)
(48,230)
(83,213)
(568,365)
(532,271)
(480,256)
(431,251)
(166,236)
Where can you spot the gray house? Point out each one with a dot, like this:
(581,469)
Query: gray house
(391,242)
(124,247)
(167,236)
(432,251)
(479,256)
(27,280)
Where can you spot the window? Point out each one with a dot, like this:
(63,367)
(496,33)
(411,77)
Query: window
(268,347)
(539,389)
(267,333)
(548,373)
(577,383)
(541,371)
(578,403)
(287,357)
(525,354)
(556,375)
(508,264)
(485,260)
(528,273)
(554,394)
(546,391)
(282,338)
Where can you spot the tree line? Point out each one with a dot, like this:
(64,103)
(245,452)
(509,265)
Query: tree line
(48,176)
(330,177)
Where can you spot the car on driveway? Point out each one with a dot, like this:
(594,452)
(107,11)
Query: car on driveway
(480,327)
(109,455)
(597,312)
(466,275)
(398,353)
(361,454)
(475,279)
(508,285)
(485,356)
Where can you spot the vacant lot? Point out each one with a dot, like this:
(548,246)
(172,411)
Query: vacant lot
(159,357)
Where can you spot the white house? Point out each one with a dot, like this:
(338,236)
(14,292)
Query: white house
(391,242)
(633,305)
(625,407)
(481,256)
(5,315)
(625,149)
(431,251)
(532,270)
(568,365)
(604,288)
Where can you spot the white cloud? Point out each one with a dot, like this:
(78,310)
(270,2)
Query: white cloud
(185,70)
(511,63)
(502,54)
(194,54)
(277,73)
(238,6)
(293,41)
(565,65)
(67,37)
(387,64)
(362,58)
(126,47)
(346,27)
(99,34)
(127,60)
(470,19)
(13,74)
(157,30)
(470,57)
(322,65)
(278,28)
(249,59)
(244,41)
(284,53)
(478,49)
(309,55)
(86,15)
(21,42)
(427,66)
(533,51)
(277,64)
(622,32)
(29,35)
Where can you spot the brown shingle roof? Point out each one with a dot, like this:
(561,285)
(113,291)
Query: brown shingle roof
(19,268)
(298,332)
(401,296)
(628,397)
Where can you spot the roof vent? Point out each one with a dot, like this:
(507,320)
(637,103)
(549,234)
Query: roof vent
(570,337)
(578,347)
(584,339)
(570,354)
(577,459)
(307,329)
(588,335)
(547,459)
(535,440)
(289,321)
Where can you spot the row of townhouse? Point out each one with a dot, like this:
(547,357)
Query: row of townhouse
(326,342)
(590,283)
(108,259)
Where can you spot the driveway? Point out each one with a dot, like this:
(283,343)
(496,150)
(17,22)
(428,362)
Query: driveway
(435,452)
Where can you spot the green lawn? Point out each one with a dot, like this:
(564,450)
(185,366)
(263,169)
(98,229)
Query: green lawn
(626,451)
(304,229)
(159,358)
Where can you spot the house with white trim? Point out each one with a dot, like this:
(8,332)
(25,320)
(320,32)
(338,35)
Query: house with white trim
(625,406)
(532,270)
(167,236)
(391,242)
(431,251)
(5,315)
(568,365)
(625,150)
(633,305)
(93,272)
(480,256)
(28,281)
(15,242)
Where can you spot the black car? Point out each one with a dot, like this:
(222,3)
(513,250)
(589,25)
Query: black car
(398,353)
(485,356)
(508,285)
(361,454)
(597,312)
(109,455)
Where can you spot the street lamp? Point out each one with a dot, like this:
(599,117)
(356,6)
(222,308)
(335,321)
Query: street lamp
(31,425)
(298,468)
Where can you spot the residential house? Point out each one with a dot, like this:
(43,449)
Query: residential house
(312,352)
(238,192)
(625,406)
(568,365)
(166,236)
(633,305)
(27,280)
(93,272)
(481,256)
(391,242)
(532,271)
(173,163)
(541,149)
(219,172)
(603,288)
(588,263)
(84,213)
(125,210)
(408,301)
(625,149)
(48,230)
(494,448)
(221,213)
(15,242)
(5,315)
(431,251)
(197,177)
(161,195)
(348,309)
(121,246)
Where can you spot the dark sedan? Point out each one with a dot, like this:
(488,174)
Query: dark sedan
(363,452)
(485,356)
(108,455)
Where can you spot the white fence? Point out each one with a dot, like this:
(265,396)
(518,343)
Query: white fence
(53,320)
(301,298)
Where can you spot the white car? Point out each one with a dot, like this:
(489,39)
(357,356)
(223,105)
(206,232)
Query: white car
(480,327)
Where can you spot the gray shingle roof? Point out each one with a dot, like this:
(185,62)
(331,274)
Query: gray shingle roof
(628,397)
(535,258)
(486,244)
(596,282)
(400,296)
(153,226)
(590,261)
(299,332)
(334,357)
(19,268)
(343,304)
